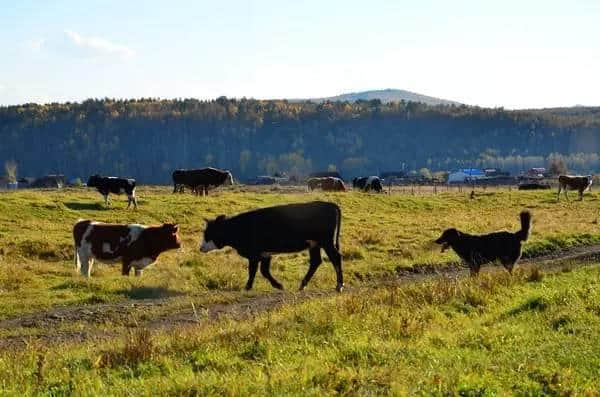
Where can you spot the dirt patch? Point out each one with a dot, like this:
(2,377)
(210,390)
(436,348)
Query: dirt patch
(121,313)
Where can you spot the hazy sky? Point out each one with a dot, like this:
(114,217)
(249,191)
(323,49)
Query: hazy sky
(507,53)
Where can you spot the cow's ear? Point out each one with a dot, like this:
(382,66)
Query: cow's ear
(207,220)
(175,227)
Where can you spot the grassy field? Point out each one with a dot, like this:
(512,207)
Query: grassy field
(531,334)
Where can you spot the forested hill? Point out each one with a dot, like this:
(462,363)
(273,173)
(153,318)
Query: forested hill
(148,139)
(385,96)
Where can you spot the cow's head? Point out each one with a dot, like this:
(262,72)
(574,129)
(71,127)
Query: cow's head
(214,234)
(448,238)
(228,179)
(170,236)
(93,180)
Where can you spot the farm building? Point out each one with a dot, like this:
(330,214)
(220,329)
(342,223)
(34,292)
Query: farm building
(466,175)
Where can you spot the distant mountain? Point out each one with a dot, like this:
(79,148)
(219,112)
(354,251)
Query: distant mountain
(385,96)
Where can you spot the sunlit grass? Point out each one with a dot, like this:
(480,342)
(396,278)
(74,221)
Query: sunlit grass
(380,232)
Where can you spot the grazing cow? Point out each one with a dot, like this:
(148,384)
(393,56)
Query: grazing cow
(200,179)
(367,183)
(258,234)
(111,184)
(328,184)
(133,245)
(579,183)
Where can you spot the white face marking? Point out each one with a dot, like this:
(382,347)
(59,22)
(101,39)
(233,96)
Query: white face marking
(142,263)
(134,232)
(208,246)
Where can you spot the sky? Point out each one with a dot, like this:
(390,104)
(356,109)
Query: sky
(512,54)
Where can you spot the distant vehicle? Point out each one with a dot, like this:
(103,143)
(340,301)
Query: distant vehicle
(49,181)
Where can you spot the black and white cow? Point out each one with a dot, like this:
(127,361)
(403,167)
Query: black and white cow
(111,184)
(570,182)
(259,234)
(367,183)
(200,179)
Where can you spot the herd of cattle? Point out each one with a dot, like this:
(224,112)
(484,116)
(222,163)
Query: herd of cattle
(261,233)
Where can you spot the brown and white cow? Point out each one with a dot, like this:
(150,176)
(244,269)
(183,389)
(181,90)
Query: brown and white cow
(133,245)
(570,182)
(328,184)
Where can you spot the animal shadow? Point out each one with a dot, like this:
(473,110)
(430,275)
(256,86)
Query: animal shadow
(86,206)
(141,293)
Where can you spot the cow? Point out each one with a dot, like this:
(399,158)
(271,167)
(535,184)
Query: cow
(261,233)
(367,183)
(111,184)
(200,179)
(133,245)
(579,183)
(328,184)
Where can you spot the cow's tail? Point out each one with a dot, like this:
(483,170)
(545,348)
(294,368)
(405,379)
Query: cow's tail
(338,228)
(523,234)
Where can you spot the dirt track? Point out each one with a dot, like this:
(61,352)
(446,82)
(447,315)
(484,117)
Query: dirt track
(52,323)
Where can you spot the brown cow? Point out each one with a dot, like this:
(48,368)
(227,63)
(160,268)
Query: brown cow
(133,245)
(328,184)
(579,183)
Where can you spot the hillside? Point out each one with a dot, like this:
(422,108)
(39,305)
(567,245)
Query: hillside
(148,139)
(387,95)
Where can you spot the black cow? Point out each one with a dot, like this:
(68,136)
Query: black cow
(258,234)
(111,184)
(200,179)
(367,183)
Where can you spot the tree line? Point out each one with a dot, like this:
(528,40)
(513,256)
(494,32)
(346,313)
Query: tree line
(148,138)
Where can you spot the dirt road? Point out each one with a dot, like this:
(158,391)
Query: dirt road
(80,323)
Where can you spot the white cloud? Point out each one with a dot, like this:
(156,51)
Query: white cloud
(98,46)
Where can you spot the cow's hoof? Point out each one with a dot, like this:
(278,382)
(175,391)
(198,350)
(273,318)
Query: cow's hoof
(248,287)
(278,286)
(339,288)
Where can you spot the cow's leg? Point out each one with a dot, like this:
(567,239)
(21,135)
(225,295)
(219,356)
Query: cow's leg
(265,270)
(559,190)
(138,272)
(252,268)
(315,261)
(205,191)
(580,194)
(474,269)
(336,261)
(106,200)
(86,264)
(126,267)
(77,259)
(174,188)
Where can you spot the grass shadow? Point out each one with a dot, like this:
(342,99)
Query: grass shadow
(86,206)
(141,293)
